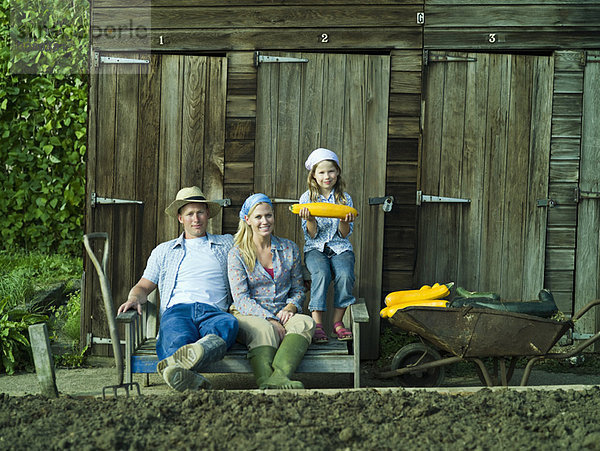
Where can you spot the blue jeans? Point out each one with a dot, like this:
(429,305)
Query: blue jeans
(183,324)
(322,268)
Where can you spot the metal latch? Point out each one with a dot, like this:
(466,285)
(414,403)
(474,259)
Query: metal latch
(223,202)
(578,195)
(421,198)
(550,203)
(386,202)
(97,200)
(259,58)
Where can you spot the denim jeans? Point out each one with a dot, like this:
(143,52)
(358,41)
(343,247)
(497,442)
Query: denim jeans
(183,324)
(322,269)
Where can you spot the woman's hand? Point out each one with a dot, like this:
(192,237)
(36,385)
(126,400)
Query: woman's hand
(279,329)
(284,316)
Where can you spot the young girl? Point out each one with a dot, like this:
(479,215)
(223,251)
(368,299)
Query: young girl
(327,251)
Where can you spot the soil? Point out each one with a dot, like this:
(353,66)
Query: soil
(463,415)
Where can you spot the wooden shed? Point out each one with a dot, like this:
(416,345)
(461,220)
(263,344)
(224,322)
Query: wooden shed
(511,121)
(233,96)
(492,105)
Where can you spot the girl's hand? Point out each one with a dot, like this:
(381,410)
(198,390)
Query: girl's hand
(349,218)
(305,214)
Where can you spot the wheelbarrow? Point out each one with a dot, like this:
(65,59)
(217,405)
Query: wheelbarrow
(474,334)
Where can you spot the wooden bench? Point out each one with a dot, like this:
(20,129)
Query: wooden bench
(334,357)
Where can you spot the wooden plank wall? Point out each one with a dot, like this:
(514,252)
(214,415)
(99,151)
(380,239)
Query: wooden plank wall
(404,138)
(564,176)
(214,25)
(514,24)
(237,28)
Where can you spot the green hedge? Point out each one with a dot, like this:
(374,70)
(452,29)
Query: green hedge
(43,114)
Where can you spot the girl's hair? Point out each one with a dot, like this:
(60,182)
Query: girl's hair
(313,187)
(243,240)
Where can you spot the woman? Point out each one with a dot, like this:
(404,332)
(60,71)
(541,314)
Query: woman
(267,288)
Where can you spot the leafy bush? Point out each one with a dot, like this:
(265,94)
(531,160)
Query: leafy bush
(43,112)
(14,345)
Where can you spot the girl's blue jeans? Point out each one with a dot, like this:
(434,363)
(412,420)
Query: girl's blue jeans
(340,268)
(183,324)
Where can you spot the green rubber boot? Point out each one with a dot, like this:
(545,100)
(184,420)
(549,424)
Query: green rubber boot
(288,357)
(261,358)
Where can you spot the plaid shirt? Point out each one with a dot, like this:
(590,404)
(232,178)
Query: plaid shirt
(256,293)
(327,228)
(164,261)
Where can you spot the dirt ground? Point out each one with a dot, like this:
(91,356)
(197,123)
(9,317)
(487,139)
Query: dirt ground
(556,410)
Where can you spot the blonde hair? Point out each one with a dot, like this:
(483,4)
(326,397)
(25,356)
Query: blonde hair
(243,240)
(339,187)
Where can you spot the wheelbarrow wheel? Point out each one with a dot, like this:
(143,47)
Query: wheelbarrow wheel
(416,354)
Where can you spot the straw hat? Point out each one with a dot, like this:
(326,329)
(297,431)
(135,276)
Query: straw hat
(188,195)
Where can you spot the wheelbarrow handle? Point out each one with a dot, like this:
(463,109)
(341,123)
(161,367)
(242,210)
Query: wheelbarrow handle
(584,310)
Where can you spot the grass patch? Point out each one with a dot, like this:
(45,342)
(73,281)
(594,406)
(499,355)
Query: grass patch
(23,274)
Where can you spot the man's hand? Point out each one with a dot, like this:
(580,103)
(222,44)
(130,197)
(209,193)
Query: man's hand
(129,304)
(137,296)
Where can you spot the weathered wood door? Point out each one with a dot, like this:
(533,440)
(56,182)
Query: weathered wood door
(587,264)
(153,128)
(487,139)
(339,102)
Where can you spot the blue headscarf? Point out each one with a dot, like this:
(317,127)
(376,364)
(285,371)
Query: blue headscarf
(252,201)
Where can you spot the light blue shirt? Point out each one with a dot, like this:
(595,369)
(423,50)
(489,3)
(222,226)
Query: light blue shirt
(327,228)
(164,262)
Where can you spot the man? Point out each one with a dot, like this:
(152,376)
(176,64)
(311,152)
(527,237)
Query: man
(191,275)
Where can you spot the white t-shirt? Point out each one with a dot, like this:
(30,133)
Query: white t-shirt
(200,278)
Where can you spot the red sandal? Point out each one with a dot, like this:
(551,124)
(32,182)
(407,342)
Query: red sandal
(320,337)
(341,332)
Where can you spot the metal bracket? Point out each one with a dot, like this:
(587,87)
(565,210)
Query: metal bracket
(386,202)
(116,60)
(578,195)
(97,200)
(550,203)
(421,198)
(279,200)
(259,58)
(428,58)
(223,202)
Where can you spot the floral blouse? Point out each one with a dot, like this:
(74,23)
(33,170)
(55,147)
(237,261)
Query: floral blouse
(256,293)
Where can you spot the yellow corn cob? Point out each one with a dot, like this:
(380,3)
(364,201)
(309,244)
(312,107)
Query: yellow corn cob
(437,291)
(325,209)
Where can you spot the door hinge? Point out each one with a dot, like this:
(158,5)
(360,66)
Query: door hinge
(386,202)
(438,58)
(422,198)
(97,200)
(260,58)
(578,195)
(550,203)
(591,58)
(98,59)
